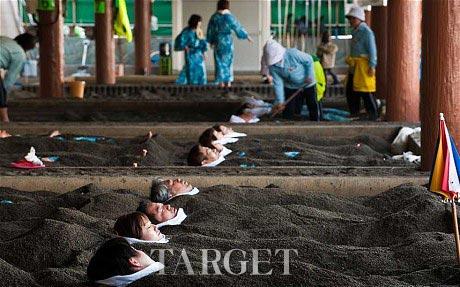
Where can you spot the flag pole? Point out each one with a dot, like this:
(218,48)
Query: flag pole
(457,236)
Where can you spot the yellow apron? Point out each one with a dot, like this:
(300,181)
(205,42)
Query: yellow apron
(362,82)
(320,80)
(121,25)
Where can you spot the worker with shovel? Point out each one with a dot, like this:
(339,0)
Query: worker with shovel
(293,80)
(12,59)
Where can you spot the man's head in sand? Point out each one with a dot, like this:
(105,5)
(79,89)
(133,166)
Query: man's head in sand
(137,225)
(209,137)
(200,155)
(157,212)
(223,129)
(116,257)
(163,190)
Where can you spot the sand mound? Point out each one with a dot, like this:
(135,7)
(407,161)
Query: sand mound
(399,238)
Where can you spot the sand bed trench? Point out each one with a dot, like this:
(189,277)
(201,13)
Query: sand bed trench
(252,151)
(401,237)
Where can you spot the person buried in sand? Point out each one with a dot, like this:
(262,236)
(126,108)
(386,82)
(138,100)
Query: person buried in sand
(209,137)
(223,129)
(116,258)
(137,225)
(201,156)
(157,212)
(163,190)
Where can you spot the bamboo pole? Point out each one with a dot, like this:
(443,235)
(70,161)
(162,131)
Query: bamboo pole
(329,16)
(286,12)
(291,32)
(455,226)
(319,20)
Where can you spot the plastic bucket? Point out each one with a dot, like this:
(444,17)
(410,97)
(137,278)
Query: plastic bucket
(77,89)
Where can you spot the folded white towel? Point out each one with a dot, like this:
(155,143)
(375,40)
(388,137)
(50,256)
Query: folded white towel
(177,220)
(31,157)
(235,135)
(123,280)
(191,192)
(225,151)
(224,141)
(162,240)
(237,120)
(216,162)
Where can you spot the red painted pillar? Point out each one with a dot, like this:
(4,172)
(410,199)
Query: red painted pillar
(142,37)
(441,73)
(404,36)
(379,26)
(105,45)
(51,40)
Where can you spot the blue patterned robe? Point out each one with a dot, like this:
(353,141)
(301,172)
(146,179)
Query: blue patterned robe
(219,35)
(194,71)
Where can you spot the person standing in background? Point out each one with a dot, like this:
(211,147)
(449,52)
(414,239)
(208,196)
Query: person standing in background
(219,35)
(326,51)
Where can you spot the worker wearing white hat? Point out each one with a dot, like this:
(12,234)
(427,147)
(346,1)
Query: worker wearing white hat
(362,61)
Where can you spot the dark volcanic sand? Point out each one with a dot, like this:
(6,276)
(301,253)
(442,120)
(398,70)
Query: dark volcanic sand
(399,238)
(261,151)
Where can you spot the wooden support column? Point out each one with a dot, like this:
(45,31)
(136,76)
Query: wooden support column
(441,73)
(142,37)
(105,44)
(51,41)
(368,14)
(404,26)
(379,26)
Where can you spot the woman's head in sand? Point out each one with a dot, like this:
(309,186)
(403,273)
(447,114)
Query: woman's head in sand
(116,257)
(223,129)
(244,112)
(162,190)
(137,225)
(200,155)
(209,137)
(157,212)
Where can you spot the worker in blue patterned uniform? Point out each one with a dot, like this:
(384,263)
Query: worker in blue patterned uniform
(12,59)
(361,82)
(292,70)
(219,35)
(191,41)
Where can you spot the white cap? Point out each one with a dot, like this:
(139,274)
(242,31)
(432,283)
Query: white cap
(357,12)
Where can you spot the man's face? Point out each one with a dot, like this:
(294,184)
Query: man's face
(210,154)
(177,186)
(354,22)
(140,261)
(160,212)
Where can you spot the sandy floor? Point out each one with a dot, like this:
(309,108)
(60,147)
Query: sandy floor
(399,238)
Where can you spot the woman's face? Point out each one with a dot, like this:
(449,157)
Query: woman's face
(198,26)
(149,232)
(226,130)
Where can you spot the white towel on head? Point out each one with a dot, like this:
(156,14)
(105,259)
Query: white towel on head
(162,240)
(274,52)
(225,151)
(226,140)
(191,192)
(237,120)
(123,280)
(177,220)
(215,163)
(235,135)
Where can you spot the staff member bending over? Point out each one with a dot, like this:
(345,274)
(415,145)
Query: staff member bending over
(12,59)
(292,70)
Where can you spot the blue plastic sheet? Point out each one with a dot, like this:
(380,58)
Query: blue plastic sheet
(292,154)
